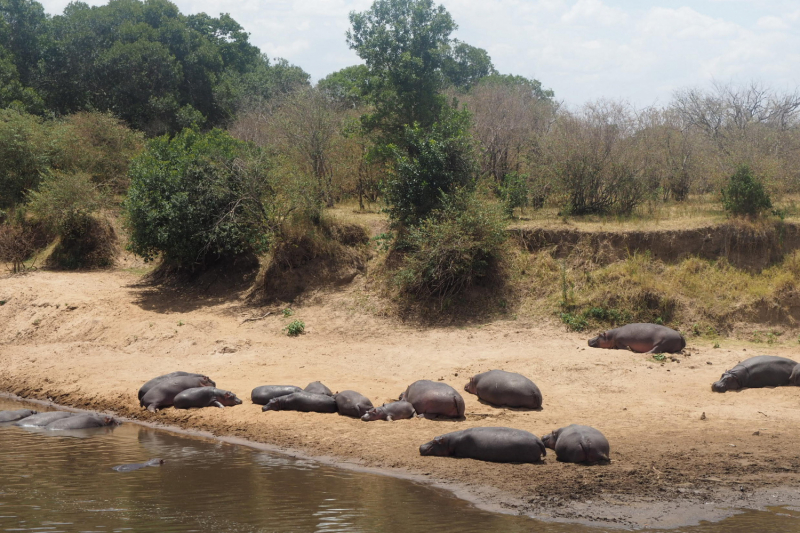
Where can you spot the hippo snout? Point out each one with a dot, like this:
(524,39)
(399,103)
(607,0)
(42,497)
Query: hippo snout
(718,386)
(426,448)
(594,342)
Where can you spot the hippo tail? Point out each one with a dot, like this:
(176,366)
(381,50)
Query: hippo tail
(683,342)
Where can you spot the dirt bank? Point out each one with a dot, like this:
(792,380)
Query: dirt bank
(91,339)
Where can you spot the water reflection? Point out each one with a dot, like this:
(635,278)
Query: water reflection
(56,482)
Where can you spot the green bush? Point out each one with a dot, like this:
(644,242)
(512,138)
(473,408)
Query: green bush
(65,201)
(295,328)
(25,155)
(454,247)
(745,194)
(514,192)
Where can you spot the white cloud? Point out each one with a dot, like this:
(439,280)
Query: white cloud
(594,11)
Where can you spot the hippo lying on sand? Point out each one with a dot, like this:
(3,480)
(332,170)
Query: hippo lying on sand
(392,411)
(85,421)
(759,371)
(262,395)
(641,338)
(16,414)
(164,392)
(315,387)
(155,381)
(205,397)
(137,466)
(432,398)
(505,389)
(306,402)
(496,444)
(42,419)
(578,444)
(352,403)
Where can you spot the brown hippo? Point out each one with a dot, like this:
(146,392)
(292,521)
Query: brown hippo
(153,382)
(164,392)
(42,419)
(641,338)
(495,444)
(578,444)
(307,402)
(433,398)
(759,371)
(262,395)
(317,387)
(352,403)
(82,421)
(393,411)
(205,397)
(505,389)
(16,414)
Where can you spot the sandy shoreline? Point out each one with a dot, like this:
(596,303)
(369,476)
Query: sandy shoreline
(89,340)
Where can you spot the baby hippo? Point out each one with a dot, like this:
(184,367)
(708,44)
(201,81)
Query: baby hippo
(16,414)
(316,387)
(393,411)
(495,444)
(164,392)
(306,402)
(578,444)
(432,398)
(205,397)
(505,389)
(352,403)
(84,421)
(641,338)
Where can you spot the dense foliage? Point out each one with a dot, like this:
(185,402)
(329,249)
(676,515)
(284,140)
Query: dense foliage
(744,194)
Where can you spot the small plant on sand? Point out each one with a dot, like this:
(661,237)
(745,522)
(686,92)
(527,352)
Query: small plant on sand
(180,323)
(716,345)
(287,312)
(295,328)
(660,357)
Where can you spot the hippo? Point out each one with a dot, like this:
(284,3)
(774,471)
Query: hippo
(318,388)
(262,395)
(759,371)
(394,411)
(42,419)
(205,397)
(352,403)
(505,389)
(432,398)
(136,466)
(495,444)
(641,338)
(153,382)
(82,421)
(578,444)
(16,414)
(164,392)
(307,402)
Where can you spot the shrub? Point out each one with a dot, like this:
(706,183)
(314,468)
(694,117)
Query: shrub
(454,247)
(745,194)
(17,243)
(514,192)
(25,154)
(295,328)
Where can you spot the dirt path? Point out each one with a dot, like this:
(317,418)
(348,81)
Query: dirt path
(91,339)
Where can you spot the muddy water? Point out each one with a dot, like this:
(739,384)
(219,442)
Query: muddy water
(64,482)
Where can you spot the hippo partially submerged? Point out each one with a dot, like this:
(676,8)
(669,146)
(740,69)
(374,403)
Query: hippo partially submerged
(505,389)
(16,414)
(262,395)
(82,421)
(42,419)
(136,466)
(641,338)
(433,398)
(578,444)
(759,371)
(316,387)
(495,444)
(352,403)
(164,392)
(390,411)
(205,397)
(306,402)
(155,381)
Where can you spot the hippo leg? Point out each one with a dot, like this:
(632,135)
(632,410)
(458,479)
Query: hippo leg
(217,404)
(389,418)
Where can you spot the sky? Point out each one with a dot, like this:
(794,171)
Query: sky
(636,51)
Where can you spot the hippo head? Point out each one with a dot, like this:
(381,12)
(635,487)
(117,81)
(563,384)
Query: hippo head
(472,386)
(727,382)
(376,413)
(228,399)
(437,447)
(206,381)
(549,440)
(110,421)
(601,341)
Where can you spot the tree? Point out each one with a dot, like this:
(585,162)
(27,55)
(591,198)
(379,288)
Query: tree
(466,65)
(745,194)
(348,86)
(26,28)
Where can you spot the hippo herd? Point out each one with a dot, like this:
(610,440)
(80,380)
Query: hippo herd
(56,420)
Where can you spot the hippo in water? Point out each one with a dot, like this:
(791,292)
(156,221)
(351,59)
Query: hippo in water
(759,371)
(505,389)
(432,398)
(352,403)
(16,414)
(262,395)
(393,411)
(306,402)
(136,466)
(578,444)
(153,382)
(164,392)
(205,397)
(641,338)
(317,387)
(42,419)
(82,421)
(495,444)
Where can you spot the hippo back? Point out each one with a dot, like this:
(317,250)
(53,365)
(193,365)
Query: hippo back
(434,398)
(764,371)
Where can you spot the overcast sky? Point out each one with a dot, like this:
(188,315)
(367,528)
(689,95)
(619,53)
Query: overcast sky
(635,50)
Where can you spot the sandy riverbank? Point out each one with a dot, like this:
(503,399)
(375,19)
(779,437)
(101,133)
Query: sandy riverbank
(91,339)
